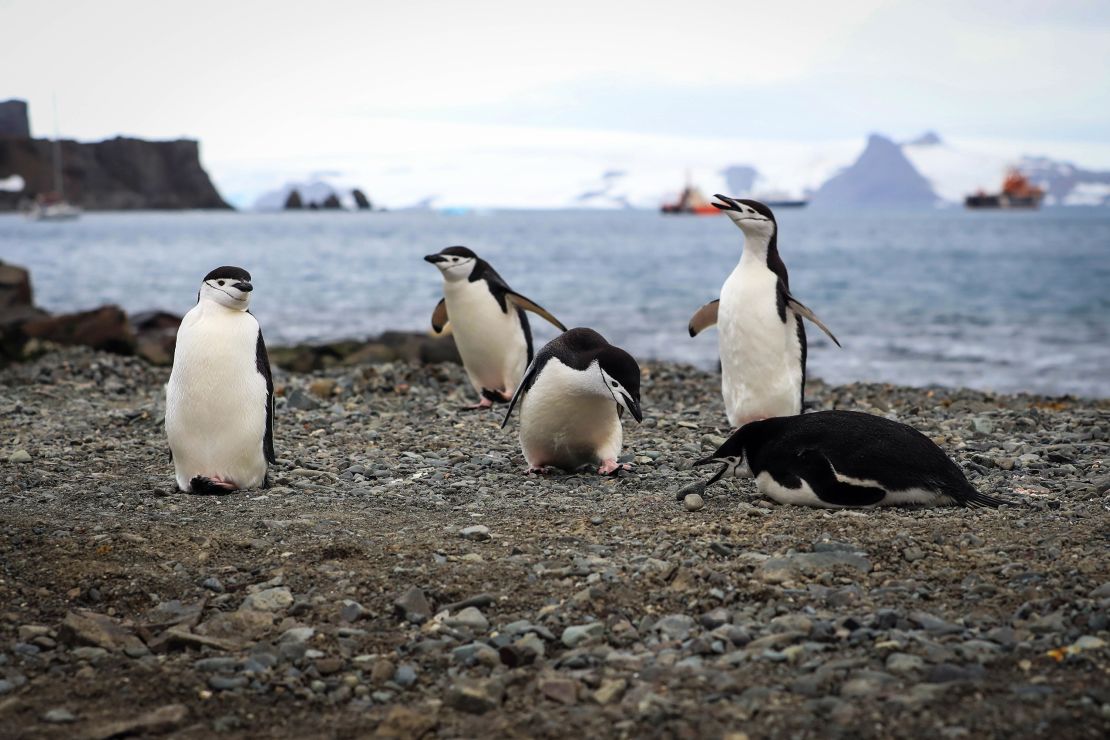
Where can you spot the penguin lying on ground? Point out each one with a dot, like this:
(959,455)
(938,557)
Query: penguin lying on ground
(760,332)
(834,459)
(220,396)
(488,321)
(571,401)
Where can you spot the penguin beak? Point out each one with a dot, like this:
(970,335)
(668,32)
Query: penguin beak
(435,258)
(720,473)
(245,287)
(729,204)
(634,407)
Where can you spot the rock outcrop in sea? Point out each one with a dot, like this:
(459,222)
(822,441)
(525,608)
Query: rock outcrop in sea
(882,177)
(116,174)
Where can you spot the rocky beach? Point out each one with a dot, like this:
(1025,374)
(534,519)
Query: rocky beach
(403,578)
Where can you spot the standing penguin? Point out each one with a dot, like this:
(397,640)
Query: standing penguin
(220,397)
(488,321)
(571,401)
(761,335)
(838,459)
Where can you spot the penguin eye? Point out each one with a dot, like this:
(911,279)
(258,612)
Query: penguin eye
(615,384)
(219,282)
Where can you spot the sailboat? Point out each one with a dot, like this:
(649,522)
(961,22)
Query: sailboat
(53,206)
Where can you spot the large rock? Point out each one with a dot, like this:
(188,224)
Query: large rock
(105,328)
(13,119)
(361,201)
(389,347)
(15,287)
(16,309)
(117,174)
(156,336)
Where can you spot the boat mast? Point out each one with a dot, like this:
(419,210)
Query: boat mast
(57,154)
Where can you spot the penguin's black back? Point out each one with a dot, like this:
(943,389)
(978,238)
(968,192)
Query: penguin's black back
(862,446)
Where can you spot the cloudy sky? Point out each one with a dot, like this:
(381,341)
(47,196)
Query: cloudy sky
(418,97)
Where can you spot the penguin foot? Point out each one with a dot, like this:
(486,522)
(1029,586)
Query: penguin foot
(609,467)
(539,470)
(214,486)
(485,403)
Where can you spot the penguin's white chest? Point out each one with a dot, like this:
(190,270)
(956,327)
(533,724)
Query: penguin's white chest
(564,423)
(491,342)
(761,366)
(216,399)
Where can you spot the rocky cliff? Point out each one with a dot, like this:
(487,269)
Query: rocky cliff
(117,174)
(882,177)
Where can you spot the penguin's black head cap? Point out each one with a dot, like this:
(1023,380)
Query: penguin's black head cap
(621,374)
(454,262)
(229,286)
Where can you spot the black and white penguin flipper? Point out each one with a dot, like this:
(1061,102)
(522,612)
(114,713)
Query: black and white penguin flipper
(704,317)
(220,395)
(840,459)
(439,316)
(262,363)
(569,401)
(799,308)
(528,304)
(488,321)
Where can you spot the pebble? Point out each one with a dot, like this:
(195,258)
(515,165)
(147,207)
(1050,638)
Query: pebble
(59,716)
(693,502)
(475,695)
(413,606)
(19,456)
(475,532)
(470,618)
(269,600)
(575,635)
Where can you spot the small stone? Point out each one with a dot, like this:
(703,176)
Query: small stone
(562,690)
(268,600)
(697,488)
(322,387)
(59,716)
(328,666)
(351,611)
(1102,592)
(405,675)
(913,554)
(475,532)
(382,671)
(693,502)
(575,635)
(301,401)
(476,696)
(413,606)
(904,663)
(675,626)
(470,618)
(212,584)
(227,683)
(21,456)
(611,690)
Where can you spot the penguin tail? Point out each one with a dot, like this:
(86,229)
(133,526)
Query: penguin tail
(972,499)
(201,486)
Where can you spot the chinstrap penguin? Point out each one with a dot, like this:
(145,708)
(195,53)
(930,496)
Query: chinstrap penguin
(760,332)
(488,321)
(220,396)
(571,400)
(840,459)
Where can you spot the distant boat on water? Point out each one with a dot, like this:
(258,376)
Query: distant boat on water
(1017,192)
(691,201)
(53,206)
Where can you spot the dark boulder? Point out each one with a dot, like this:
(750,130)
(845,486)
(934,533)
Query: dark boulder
(361,201)
(332,202)
(389,347)
(155,336)
(16,308)
(105,328)
(293,201)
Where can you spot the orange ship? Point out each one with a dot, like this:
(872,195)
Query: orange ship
(1017,192)
(691,201)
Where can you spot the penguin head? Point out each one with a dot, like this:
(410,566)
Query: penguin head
(456,263)
(620,376)
(228,286)
(754,219)
(731,453)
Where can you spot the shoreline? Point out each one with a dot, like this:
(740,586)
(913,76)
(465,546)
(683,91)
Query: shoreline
(404,576)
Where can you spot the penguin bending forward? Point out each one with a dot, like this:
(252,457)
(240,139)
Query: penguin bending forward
(838,459)
(571,400)
(220,396)
(488,321)
(760,331)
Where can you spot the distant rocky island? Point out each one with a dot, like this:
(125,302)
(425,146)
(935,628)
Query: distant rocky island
(116,174)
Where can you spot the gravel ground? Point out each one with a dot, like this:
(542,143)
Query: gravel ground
(403,577)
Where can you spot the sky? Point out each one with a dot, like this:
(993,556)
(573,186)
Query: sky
(511,102)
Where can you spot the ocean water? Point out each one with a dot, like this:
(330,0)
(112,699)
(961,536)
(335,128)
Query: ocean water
(1001,301)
